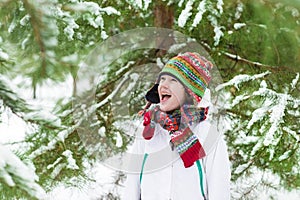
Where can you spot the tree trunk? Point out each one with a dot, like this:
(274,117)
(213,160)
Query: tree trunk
(163,18)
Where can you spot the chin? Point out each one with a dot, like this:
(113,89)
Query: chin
(166,108)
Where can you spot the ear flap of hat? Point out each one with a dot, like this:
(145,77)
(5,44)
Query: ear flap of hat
(152,95)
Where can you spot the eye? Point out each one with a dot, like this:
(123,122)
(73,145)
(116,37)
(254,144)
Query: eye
(162,79)
(174,80)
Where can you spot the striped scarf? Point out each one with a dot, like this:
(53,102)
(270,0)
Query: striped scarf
(177,123)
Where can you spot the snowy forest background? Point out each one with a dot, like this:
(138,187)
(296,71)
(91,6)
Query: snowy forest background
(254,44)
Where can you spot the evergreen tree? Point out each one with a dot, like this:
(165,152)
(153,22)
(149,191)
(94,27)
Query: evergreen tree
(254,44)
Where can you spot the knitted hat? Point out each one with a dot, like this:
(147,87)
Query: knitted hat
(191,69)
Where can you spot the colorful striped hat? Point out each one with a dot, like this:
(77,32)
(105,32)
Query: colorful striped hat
(193,70)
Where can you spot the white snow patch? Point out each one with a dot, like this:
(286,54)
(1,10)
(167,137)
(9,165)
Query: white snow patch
(201,10)
(238,25)
(3,56)
(14,172)
(71,161)
(185,14)
(237,80)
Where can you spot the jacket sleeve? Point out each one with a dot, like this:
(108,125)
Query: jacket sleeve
(218,173)
(131,190)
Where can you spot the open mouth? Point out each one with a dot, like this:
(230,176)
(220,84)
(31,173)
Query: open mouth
(165,97)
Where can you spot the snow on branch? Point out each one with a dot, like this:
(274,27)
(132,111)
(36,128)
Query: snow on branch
(94,16)
(59,164)
(238,58)
(185,14)
(15,173)
(270,114)
(3,56)
(60,137)
(93,8)
(294,82)
(237,80)
(201,10)
(220,4)
(140,3)
(239,10)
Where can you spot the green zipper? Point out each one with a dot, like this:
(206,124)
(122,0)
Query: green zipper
(143,164)
(199,171)
(201,178)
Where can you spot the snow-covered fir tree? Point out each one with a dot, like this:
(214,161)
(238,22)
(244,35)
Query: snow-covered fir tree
(43,43)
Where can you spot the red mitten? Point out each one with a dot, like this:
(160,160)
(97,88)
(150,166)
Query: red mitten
(148,131)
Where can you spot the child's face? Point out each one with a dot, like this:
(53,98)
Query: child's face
(171,93)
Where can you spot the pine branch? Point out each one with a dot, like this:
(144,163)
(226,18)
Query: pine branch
(238,58)
(5,3)
(37,25)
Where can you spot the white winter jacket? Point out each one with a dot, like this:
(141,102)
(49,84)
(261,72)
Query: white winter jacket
(164,177)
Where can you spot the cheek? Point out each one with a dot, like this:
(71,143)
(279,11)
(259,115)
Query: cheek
(180,95)
(158,89)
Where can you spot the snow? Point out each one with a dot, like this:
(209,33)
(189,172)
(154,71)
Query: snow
(201,10)
(295,81)
(238,25)
(285,155)
(3,56)
(294,11)
(119,140)
(69,30)
(218,34)
(220,6)
(217,29)
(239,99)
(256,147)
(12,26)
(239,10)
(237,80)
(255,186)
(15,172)
(94,8)
(24,42)
(7,121)
(45,116)
(102,175)
(110,11)
(185,14)
(70,159)
(121,70)
(258,115)
(159,62)
(241,168)
(293,133)
(139,3)
(276,118)
(102,183)
(104,35)
(101,131)
(180,3)
(73,58)
(146,4)
(244,139)
(25,20)
(133,77)
(55,163)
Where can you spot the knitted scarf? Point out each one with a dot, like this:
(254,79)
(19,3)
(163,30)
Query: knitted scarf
(177,123)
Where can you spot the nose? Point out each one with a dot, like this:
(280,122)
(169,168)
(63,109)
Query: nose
(164,84)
